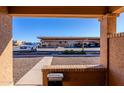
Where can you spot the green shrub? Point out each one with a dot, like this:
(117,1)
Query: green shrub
(66,52)
(82,52)
(73,52)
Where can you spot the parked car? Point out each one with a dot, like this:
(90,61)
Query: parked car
(28,47)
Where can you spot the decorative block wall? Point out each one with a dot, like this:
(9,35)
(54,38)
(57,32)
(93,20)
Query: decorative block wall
(116,59)
(77,75)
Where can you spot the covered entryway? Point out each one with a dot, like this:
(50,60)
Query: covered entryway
(105,14)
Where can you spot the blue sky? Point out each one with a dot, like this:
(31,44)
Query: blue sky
(28,29)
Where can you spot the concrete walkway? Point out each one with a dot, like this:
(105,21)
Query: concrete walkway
(34,76)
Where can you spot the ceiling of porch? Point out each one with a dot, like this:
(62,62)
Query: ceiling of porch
(63,11)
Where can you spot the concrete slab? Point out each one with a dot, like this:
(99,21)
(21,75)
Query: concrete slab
(34,76)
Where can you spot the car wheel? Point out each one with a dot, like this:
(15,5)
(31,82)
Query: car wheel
(35,50)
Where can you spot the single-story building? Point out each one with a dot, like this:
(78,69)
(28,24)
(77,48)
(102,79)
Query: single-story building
(70,41)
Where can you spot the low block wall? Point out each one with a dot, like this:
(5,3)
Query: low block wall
(77,75)
(116,59)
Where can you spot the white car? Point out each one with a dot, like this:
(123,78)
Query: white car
(28,47)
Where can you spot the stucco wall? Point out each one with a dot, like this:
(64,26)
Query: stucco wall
(103,42)
(6,72)
(116,60)
(107,26)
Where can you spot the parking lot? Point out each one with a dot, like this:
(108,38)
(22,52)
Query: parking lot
(61,49)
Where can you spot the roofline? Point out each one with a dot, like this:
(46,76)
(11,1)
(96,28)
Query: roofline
(44,37)
(69,38)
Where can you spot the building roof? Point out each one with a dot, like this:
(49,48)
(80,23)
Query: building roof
(69,38)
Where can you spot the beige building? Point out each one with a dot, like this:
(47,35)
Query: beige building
(17,42)
(69,41)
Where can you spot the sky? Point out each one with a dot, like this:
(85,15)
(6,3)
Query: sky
(28,29)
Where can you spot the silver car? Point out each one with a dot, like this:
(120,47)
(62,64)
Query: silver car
(28,47)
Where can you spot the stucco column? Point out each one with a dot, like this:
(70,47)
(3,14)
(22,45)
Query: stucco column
(107,25)
(6,61)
